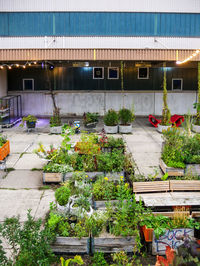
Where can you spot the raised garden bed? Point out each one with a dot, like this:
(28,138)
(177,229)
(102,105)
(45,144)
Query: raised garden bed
(71,245)
(113,244)
(153,186)
(171,171)
(5,150)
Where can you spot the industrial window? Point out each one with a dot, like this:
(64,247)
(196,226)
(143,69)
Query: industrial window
(98,73)
(177,84)
(28,84)
(143,73)
(113,73)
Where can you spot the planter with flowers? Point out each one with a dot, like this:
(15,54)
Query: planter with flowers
(90,120)
(4,147)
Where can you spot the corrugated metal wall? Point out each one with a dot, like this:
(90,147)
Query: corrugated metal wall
(186,6)
(99,24)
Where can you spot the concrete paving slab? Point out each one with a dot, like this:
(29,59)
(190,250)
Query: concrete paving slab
(23,137)
(11,160)
(29,161)
(17,202)
(43,207)
(22,179)
(148,171)
(144,148)
(146,159)
(19,147)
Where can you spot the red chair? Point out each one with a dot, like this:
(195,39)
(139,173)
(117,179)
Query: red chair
(177,120)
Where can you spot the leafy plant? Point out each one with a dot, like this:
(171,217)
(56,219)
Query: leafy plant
(30,245)
(55,120)
(89,118)
(57,168)
(76,260)
(197,104)
(3,140)
(126,116)
(111,118)
(99,260)
(62,195)
(28,119)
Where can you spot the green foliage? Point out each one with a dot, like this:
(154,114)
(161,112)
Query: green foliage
(126,116)
(166,116)
(28,119)
(29,243)
(55,121)
(3,140)
(90,118)
(62,195)
(103,189)
(77,260)
(111,118)
(57,168)
(121,259)
(99,260)
(115,142)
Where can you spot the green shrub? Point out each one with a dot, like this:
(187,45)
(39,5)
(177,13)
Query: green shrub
(126,116)
(62,195)
(111,118)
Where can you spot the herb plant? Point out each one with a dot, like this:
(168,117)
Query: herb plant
(111,118)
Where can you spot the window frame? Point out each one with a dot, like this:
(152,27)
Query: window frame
(117,68)
(147,73)
(181,79)
(102,72)
(33,84)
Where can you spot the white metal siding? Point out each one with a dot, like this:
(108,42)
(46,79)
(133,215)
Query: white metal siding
(99,42)
(179,6)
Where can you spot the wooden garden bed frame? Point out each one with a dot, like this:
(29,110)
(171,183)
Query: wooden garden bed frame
(5,150)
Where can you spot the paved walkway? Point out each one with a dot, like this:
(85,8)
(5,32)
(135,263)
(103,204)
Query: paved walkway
(20,189)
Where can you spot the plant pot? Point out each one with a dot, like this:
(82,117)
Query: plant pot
(148,233)
(196,128)
(160,128)
(30,124)
(56,130)
(52,177)
(125,129)
(90,125)
(111,129)
(4,150)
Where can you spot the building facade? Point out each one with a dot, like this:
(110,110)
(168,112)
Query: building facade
(99,55)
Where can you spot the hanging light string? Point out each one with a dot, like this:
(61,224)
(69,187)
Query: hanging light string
(188,58)
(10,66)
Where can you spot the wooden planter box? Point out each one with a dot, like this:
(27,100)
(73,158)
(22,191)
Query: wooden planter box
(91,175)
(71,245)
(5,150)
(171,170)
(154,186)
(169,239)
(113,244)
(114,176)
(101,204)
(184,185)
(52,177)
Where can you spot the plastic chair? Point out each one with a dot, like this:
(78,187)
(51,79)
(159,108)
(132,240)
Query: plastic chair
(176,120)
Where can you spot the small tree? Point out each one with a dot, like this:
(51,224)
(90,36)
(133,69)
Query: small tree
(166,116)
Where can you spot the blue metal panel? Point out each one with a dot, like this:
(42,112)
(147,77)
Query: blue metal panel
(99,24)
(4,24)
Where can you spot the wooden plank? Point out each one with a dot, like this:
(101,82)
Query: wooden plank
(101,204)
(113,244)
(150,186)
(191,185)
(171,170)
(196,214)
(71,245)
(52,177)
(169,239)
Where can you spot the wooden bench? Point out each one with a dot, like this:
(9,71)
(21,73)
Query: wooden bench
(184,185)
(150,186)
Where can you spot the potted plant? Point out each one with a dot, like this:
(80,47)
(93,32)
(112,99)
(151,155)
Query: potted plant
(30,120)
(196,125)
(4,147)
(111,120)
(90,120)
(126,116)
(166,116)
(55,123)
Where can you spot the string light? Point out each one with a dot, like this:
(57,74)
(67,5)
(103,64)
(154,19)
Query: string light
(9,67)
(24,66)
(188,58)
(1,67)
(17,65)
